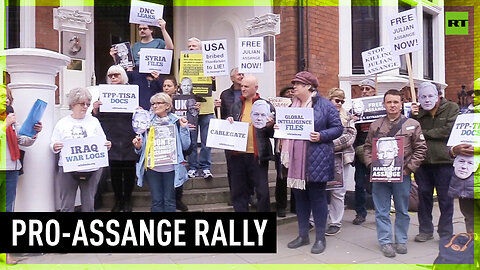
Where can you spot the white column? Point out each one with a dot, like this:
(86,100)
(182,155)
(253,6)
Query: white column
(32,75)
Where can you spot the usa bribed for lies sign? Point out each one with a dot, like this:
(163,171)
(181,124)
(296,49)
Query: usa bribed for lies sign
(250,55)
(83,154)
(118,98)
(404,32)
(145,13)
(155,60)
(379,60)
(215,57)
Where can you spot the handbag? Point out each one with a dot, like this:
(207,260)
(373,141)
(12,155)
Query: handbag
(81,176)
(456,249)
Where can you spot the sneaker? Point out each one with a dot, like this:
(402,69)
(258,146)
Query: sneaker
(281,213)
(401,248)
(423,237)
(388,250)
(332,230)
(192,173)
(207,175)
(358,220)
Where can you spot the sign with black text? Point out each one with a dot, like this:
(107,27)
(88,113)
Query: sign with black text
(229,136)
(164,145)
(379,60)
(145,13)
(118,97)
(466,130)
(387,159)
(368,109)
(83,154)
(185,107)
(215,57)
(191,66)
(279,102)
(404,32)
(294,123)
(155,60)
(250,55)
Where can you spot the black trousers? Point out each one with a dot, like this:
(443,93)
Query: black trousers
(123,178)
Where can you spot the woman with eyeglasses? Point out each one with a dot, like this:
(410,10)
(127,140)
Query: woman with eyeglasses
(343,144)
(160,158)
(79,124)
(122,156)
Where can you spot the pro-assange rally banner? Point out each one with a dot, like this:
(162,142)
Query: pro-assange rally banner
(368,109)
(379,60)
(250,55)
(404,32)
(83,154)
(215,57)
(229,136)
(155,60)
(145,13)
(466,130)
(118,98)
(294,123)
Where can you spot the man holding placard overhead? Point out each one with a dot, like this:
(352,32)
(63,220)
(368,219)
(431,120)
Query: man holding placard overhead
(436,116)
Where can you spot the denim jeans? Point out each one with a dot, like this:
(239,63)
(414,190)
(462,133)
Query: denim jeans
(162,190)
(204,161)
(8,189)
(382,193)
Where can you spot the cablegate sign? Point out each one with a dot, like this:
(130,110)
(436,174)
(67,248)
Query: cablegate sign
(225,135)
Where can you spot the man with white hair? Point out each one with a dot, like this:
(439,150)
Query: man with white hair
(436,116)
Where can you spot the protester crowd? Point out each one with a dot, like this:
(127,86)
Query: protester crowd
(306,166)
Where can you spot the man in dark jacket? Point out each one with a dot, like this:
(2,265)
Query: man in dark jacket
(436,116)
(251,165)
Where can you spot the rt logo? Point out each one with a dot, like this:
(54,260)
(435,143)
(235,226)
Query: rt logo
(456,23)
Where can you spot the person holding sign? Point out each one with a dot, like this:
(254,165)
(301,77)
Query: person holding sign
(311,163)
(77,125)
(163,175)
(122,157)
(147,41)
(387,129)
(251,166)
(436,116)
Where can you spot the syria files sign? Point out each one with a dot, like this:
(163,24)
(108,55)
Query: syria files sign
(379,60)
(215,57)
(155,60)
(404,32)
(250,55)
(145,13)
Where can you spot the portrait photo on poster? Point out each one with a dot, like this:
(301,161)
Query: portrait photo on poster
(140,121)
(387,159)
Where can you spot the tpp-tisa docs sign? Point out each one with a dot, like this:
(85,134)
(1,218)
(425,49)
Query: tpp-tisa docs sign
(294,123)
(215,57)
(225,135)
(118,98)
(83,154)
(250,55)
(466,130)
(155,60)
(145,13)
(404,32)
(379,60)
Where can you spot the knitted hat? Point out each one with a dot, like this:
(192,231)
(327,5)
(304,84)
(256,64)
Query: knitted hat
(368,82)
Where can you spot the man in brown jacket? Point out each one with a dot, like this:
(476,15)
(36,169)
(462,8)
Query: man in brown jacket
(415,148)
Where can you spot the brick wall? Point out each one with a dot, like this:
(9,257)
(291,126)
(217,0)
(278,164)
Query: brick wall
(320,45)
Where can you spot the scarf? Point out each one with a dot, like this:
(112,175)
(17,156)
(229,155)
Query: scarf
(149,153)
(12,142)
(297,154)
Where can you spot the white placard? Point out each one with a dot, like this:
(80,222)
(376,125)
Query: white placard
(145,13)
(466,130)
(155,60)
(215,58)
(294,123)
(118,98)
(379,60)
(250,55)
(404,32)
(83,154)
(225,135)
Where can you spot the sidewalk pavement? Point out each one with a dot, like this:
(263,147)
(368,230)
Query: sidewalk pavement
(353,245)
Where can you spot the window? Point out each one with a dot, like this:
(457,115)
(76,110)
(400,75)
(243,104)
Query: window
(13,24)
(365,31)
(427,46)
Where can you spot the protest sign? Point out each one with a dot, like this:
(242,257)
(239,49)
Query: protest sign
(191,66)
(407,109)
(34,116)
(185,107)
(164,145)
(124,56)
(294,123)
(83,154)
(250,55)
(387,159)
(279,102)
(379,60)
(215,57)
(337,182)
(118,98)
(229,136)
(404,32)
(145,13)
(155,60)
(466,130)
(368,109)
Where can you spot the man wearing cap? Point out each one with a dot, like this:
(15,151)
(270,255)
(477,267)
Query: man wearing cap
(436,116)
(251,166)
(362,174)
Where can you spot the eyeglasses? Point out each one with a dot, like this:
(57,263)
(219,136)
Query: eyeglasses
(158,103)
(83,104)
(339,101)
(111,75)
(143,28)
